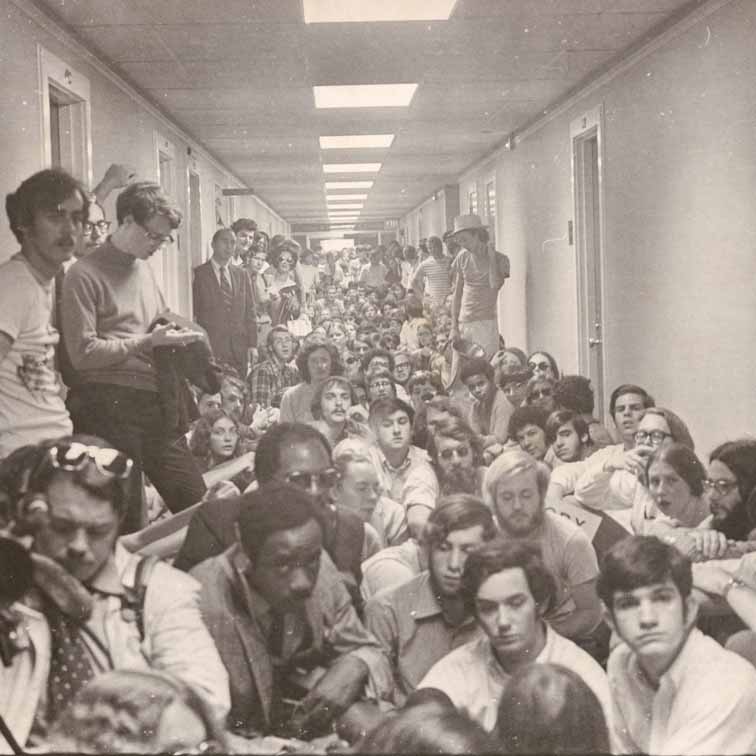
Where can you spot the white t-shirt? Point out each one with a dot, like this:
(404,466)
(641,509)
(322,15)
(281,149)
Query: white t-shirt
(475,681)
(31,403)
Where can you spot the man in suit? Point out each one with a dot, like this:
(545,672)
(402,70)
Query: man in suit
(298,656)
(224,304)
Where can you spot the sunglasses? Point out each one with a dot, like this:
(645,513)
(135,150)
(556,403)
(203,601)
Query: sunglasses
(542,366)
(461,451)
(75,456)
(541,393)
(326,479)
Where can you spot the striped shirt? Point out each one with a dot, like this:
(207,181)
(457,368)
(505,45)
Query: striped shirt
(432,276)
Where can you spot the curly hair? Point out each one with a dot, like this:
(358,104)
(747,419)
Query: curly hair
(279,246)
(200,442)
(334,380)
(121,711)
(312,344)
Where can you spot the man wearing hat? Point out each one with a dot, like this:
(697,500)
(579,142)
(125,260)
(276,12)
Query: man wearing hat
(480,272)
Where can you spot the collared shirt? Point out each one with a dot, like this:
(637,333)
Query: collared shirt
(218,270)
(390,567)
(491,417)
(474,680)
(389,521)
(22,683)
(175,638)
(409,623)
(270,378)
(413,483)
(705,702)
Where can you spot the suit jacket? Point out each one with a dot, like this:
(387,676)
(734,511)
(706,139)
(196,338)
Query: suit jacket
(227,604)
(231,332)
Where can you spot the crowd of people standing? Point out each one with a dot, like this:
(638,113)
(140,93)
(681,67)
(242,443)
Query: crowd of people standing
(336,511)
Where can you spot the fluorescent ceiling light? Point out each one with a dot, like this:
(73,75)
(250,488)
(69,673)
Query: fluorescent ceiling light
(341,197)
(343,217)
(347,206)
(347,11)
(364,95)
(348,184)
(356,141)
(351,167)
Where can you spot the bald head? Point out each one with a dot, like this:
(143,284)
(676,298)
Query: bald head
(223,244)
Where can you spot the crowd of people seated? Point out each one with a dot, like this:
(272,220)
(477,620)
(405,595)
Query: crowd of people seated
(336,513)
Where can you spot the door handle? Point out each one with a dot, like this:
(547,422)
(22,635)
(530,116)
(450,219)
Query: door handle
(594,342)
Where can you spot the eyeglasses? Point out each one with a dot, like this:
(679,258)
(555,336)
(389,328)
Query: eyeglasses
(75,456)
(653,437)
(721,486)
(157,238)
(102,226)
(541,393)
(380,384)
(511,388)
(461,451)
(542,366)
(350,360)
(326,479)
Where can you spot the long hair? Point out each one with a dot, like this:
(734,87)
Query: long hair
(200,442)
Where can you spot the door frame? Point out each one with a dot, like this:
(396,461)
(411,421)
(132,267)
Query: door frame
(582,128)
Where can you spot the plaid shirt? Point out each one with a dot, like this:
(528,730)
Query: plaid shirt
(270,378)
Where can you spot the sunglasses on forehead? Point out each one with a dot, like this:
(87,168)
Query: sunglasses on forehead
(75,456)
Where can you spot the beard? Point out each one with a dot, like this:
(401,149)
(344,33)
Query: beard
(523,526)
(734,525)
(458,480)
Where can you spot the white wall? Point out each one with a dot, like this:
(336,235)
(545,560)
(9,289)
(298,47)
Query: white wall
(680,253)
(123,130)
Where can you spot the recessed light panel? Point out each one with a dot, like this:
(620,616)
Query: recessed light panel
(364,95)
(361,11)
(342,197)
(351,167)
(348,184)
(356,142)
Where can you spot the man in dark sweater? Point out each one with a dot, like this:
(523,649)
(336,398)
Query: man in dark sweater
(110,303)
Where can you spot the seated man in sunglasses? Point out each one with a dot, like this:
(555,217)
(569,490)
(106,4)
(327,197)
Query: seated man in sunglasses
(128,613)
(292,453)
(456,453)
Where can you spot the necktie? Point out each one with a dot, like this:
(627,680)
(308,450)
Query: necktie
(226,290)
(70,665)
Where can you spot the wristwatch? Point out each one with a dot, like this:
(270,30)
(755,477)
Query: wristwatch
(733,582)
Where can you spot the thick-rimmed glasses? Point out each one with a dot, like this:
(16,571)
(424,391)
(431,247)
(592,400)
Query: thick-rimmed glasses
(721,486)
(157,238)
(102,227)
(654,437)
